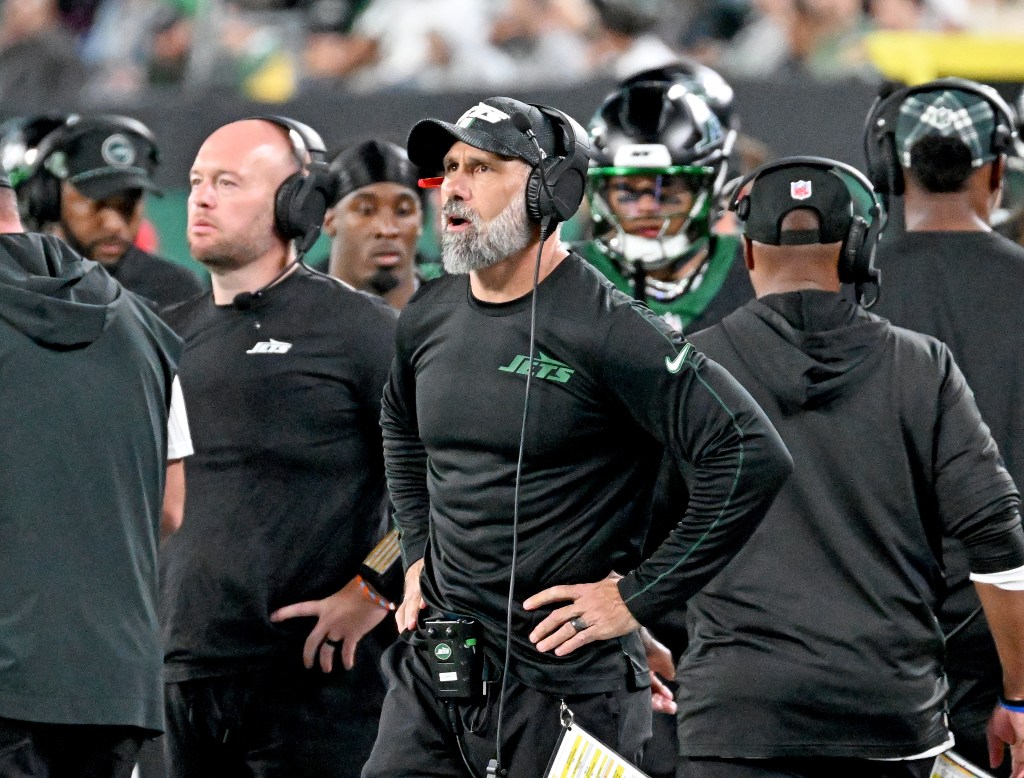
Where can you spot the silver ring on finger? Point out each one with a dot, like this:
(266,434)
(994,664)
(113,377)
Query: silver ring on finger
(578,623)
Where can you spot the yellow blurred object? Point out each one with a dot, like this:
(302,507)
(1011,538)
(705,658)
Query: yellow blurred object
(916,57)
(274,81)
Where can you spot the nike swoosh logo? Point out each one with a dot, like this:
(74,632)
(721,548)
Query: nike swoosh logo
(676,364)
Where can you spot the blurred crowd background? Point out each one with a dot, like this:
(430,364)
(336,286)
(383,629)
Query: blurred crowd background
(99,51)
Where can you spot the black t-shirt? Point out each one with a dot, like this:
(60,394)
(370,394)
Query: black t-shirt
(612,387)
(86,383)
(967,290)
(161,282)
(820,637)
(285,489)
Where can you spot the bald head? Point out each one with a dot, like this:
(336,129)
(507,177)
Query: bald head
(262,147)
(234,180)
(777,269)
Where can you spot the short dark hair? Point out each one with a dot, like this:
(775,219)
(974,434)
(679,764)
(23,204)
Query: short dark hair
(941,164)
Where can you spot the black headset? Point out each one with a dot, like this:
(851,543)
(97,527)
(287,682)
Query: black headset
(884,169)
(40,192)
(302,199)
(557,183)
(857,254)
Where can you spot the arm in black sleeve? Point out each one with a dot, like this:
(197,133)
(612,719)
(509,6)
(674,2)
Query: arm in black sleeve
(703,416)
(405,459)
(976,497)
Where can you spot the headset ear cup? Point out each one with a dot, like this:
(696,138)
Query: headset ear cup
(42,198)
(535,196)
(851,252)
(284,209)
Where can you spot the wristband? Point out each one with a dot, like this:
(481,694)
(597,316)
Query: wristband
(1017,706)
(379,601)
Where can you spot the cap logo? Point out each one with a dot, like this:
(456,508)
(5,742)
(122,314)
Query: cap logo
(942,118)
(482,111)
(118,151)
(800,190)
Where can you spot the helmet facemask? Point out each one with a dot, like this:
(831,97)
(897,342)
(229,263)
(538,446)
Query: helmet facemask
(652,218)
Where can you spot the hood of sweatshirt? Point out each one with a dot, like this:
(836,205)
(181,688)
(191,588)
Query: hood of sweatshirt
(51,294)
(823,345)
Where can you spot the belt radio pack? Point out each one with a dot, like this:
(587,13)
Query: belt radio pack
(455,657)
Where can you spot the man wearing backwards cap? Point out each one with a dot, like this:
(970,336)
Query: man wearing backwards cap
(611,387)
(103,165)
(376,222)
(816,651)
(950,276)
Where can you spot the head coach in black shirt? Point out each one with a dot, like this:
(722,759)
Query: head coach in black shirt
(817,650)
(943,147)
(286,368)
(87,185)
(521,460)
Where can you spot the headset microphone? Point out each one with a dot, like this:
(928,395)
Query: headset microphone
(522,123)
(243,301)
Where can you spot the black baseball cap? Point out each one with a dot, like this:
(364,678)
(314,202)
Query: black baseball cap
(488,126)
(777,191)
(101,158)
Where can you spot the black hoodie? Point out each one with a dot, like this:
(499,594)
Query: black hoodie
(819,638)
(85,377)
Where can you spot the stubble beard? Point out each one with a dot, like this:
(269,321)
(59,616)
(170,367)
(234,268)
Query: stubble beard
(229,254)
(484,243)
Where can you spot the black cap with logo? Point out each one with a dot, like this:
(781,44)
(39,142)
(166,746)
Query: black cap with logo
(102,156)
(776,192)
(488,126)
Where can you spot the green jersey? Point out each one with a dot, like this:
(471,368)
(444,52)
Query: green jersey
(723,287)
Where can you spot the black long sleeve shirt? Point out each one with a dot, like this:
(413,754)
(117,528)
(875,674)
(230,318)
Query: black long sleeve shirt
(613,387)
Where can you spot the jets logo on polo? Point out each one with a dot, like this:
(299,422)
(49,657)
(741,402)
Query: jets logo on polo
(270,347)
(800,190)
(544,367)
(482,111)
(118,151)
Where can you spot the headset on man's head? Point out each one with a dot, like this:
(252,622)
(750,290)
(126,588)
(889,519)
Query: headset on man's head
(857,253)
(556,185)
(302,199)
(41,190)
(883,163)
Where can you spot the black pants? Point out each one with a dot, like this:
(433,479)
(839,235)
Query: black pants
(802,767)
(417,739)
(273,725)
(29,749)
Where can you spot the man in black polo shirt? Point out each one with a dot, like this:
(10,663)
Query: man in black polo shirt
(817,651)
(87,186)
(285,367)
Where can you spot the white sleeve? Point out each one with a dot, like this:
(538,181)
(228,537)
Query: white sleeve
(179,439)
(1011,580)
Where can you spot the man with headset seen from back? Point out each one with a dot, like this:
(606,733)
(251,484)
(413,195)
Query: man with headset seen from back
(87,184)
(660,157)
(817,650)
(610,387)
(286,368)
(376,223)
(943,146)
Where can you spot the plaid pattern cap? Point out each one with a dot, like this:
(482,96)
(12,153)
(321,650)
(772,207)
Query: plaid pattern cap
(949,113)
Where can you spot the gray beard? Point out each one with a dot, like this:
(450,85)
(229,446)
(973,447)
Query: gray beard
(484,243)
